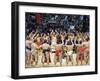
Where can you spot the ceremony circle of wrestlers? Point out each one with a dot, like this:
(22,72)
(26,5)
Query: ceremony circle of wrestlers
(52,43)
